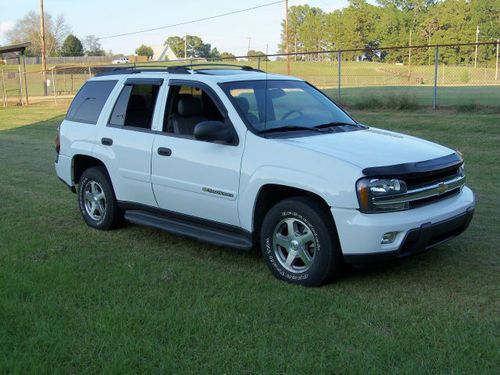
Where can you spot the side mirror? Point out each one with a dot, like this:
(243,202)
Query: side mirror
(211,131)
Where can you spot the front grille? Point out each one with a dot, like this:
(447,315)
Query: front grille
(423,202)
(425,188)
(429,178)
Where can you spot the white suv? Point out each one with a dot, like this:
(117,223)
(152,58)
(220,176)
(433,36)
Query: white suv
(120,60)
(236,157)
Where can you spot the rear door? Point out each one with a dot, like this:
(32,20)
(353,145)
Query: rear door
(125,143)
(189,176)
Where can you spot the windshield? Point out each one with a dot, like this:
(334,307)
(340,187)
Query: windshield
(278,103)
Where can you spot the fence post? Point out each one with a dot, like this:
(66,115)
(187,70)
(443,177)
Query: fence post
(436,64)
(339,58)
(90,72)
(25,80)
(496,66)
(258,62)
(20,83)
(54,87)
(4,90)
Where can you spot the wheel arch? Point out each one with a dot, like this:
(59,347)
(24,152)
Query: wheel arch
(82,162)
(271,194)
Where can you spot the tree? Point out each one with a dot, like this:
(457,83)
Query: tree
(227,56)
(176,43)
(195,48)
(27,29)
(72,46)
(253,55)
(390,23)
(92,46)
(144,50)
(215,54)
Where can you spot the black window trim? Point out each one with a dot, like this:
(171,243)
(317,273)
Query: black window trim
(130,82)
(223,86)
(217,101)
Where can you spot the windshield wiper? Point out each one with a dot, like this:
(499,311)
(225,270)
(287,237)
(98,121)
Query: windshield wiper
(335,123)
(290,127)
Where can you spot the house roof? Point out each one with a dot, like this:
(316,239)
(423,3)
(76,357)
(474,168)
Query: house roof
(15,48)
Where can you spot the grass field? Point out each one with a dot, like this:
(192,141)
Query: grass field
(361,82)
(76,300)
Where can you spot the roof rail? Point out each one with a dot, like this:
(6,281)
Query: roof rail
(174,69)
(191,66)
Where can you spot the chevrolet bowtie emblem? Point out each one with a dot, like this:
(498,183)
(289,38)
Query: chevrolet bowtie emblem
(441,188)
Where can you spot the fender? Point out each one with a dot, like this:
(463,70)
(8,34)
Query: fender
(265,175)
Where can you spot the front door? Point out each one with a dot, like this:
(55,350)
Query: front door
(192,177)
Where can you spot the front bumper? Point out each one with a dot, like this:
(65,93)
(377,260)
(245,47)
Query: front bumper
(417,229)
(418,240)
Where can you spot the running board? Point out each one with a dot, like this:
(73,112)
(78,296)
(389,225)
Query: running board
(199,231)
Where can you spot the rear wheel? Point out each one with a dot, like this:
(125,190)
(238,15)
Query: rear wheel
(299,242)
(97,200)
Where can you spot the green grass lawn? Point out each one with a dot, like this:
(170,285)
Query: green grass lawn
(361,82)
(75,300)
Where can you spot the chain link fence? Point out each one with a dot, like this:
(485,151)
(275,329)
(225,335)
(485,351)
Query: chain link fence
(462,76)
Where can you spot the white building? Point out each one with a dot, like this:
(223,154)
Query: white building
(163,53)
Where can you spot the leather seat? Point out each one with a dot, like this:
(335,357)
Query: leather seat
(189,114)
(244,106)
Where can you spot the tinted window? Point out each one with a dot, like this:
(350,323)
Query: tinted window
(187,107)
(135,106)
(275,103)
(87,104)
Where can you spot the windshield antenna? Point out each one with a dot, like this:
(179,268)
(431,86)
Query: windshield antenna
(265,100)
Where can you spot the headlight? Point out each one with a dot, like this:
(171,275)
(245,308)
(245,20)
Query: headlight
(368,188)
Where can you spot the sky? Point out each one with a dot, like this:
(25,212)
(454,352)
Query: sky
(106,17)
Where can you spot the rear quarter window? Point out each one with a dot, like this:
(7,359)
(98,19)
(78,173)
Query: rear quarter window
(87,104)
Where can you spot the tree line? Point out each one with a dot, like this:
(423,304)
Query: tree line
(396,23)
(58,39)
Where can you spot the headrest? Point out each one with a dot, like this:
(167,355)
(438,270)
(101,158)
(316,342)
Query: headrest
(243,104)
(189,106)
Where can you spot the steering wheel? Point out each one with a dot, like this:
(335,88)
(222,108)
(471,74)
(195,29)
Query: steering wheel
(286,115)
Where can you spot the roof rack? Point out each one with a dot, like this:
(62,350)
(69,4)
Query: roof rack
(174,69)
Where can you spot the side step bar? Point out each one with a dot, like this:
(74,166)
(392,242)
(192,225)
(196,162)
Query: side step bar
(199,231)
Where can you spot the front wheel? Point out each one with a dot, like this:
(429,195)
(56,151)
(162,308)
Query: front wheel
(97,200)
(299,242)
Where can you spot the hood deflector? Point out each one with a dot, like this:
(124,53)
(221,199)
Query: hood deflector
(423,167)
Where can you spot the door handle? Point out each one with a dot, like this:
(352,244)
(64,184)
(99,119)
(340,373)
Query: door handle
(107,141)
(163,151)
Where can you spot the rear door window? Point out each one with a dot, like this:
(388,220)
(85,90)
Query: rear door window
(88,103)
(135,105)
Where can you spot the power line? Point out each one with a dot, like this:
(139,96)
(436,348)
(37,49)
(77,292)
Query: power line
(192,21)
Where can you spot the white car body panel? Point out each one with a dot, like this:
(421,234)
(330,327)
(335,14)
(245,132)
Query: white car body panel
(221,183)
(362,233)
(185,182)
(372,147)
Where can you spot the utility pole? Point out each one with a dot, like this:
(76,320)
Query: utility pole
(42,36)
(477,40)
(295,49)
(286,39)
(249,40)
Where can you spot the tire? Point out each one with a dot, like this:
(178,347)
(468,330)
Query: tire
(315,257)
(97,201)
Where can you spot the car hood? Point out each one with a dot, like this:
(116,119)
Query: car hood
(371,147)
